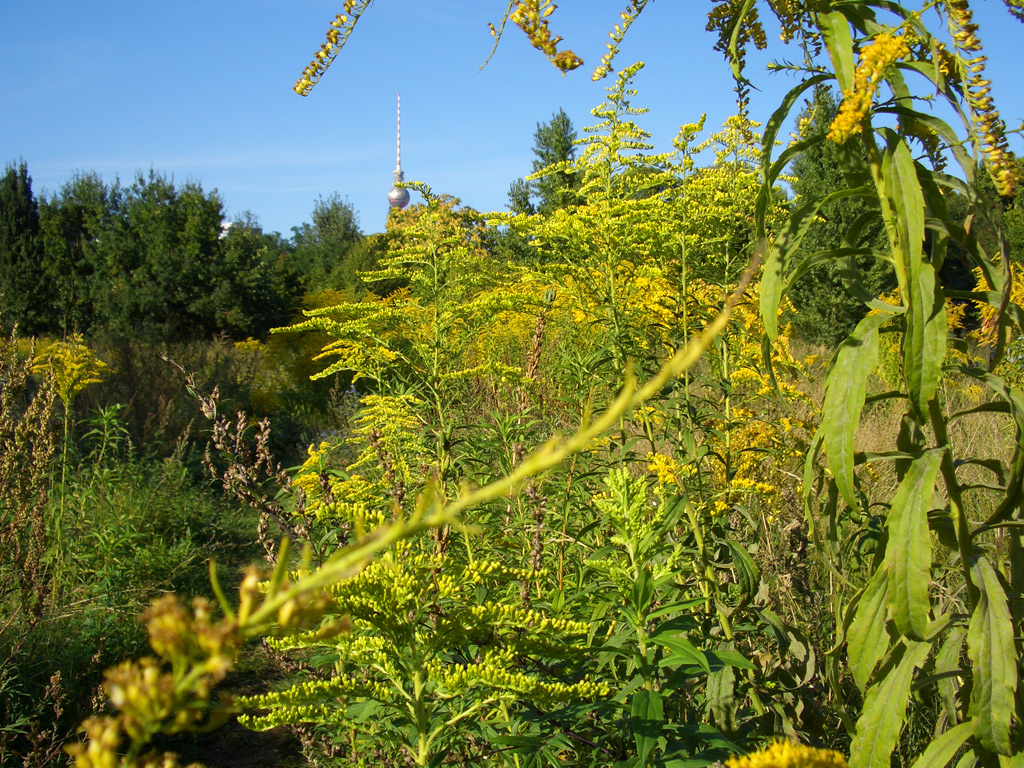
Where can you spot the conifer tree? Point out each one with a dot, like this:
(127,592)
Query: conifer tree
(826,310)
(554,145)
(24,297)
(83,232)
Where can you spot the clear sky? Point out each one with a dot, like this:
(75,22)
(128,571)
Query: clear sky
(201,90)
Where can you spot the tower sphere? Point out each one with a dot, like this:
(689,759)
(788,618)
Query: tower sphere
(398,197)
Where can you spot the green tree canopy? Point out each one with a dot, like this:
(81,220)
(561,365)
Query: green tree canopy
(83,228)
(153,261)
(323,247)
(554,145)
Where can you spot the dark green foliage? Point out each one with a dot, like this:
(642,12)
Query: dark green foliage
(174,237)
(259,286)
(826,310)
(519,197)
(83,230)
(1013,222)
(24,291)
(323,248)
(554,143)
(153,262)
(364,256)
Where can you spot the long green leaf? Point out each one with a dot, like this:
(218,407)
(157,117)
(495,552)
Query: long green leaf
(835,30)
(885,707)
(778,263)
(721,693)
(844,400)
(993,661)
(867,639)
(646,719)
(947,661)
(683,651)
(908,555)
(925,341)
(941,750)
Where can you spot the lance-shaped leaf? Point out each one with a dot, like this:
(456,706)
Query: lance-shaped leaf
(844,400)
(683,651)
(835,29)
(947,662)
(942,750)
(908,555)
(885,707)
(993,661)
(925,342)
(924,347)
(867,639)
(646,719)
(721,693)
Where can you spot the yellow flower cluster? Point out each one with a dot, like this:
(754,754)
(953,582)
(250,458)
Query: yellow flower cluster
(787,754)
(791,15)
(747,485)
(308,476)
(459,678)
(312,691)
(875,60)
(308,713)
(338,32)
(499,613)
(531,16)
(668,470)
(73,366)
(987,333)
(148,691)
(1005,172)
(617,34)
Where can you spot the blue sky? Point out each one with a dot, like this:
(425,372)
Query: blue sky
(201,90)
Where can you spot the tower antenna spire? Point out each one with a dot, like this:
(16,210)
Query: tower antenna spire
(398,197)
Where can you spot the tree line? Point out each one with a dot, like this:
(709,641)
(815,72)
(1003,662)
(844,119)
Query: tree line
(157,261)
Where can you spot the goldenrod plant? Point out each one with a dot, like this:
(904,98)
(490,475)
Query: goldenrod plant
(938,580)
(72,366)
(894,625)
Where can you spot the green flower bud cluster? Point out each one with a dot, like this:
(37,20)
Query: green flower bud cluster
(511,615)
(456,679)
(626,504)
(306,694)
(306,713)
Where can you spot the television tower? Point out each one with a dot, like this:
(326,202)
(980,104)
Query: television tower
(398,197)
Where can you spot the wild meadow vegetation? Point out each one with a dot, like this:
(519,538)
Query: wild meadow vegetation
(710,455)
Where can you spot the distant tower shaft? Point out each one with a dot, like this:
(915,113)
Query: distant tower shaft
(398,197)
